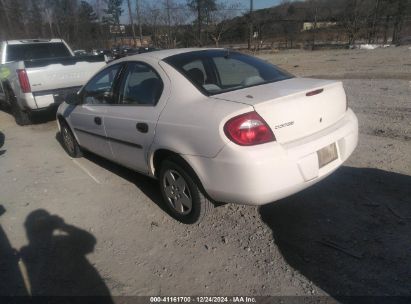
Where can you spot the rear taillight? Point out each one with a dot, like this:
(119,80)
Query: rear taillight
(24,81)
(248,129)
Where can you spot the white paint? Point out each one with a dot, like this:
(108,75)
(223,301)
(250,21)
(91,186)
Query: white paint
(86,171)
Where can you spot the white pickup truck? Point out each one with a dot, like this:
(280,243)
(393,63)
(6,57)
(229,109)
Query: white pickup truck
(37,74)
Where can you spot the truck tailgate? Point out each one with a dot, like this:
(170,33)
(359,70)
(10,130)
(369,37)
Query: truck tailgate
(46,75)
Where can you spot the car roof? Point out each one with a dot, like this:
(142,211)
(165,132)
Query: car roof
(161,54)
(23,41)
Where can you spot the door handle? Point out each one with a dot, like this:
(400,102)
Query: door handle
(142,127)
(97,120)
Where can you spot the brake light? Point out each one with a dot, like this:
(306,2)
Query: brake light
(248,129)
(24,81)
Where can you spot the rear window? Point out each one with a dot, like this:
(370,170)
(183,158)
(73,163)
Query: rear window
(218,71)
(29,51)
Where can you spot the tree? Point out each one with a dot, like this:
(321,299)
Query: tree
(65,18)
(400,10)
(88,26)
(152,16)
(16,10)
(113,12)
(5,22)
(179,28)
(86,13)
(354,18)
(203,9)
(35,19)
(130,15)
(376,15)
(220,20)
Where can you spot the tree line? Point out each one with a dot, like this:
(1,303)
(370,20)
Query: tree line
(171,23)
(340,22)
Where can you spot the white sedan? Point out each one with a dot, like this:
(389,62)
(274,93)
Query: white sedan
(212,125)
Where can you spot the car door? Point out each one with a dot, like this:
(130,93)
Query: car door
(87,119)
(130,124)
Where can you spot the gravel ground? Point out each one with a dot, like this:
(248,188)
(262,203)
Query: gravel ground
(348,235)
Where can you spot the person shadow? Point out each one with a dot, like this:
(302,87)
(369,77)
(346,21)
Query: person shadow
(11,281)
(55,262)
(350,234)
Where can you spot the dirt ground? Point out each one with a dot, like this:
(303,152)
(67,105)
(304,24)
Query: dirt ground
(348,235)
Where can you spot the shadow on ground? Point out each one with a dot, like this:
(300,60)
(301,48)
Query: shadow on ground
(54,262)
(2,138)
(41,117)
(11,281)
(350,234)
(146,184)
(44,116)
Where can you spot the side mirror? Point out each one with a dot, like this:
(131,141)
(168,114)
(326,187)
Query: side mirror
(72,99)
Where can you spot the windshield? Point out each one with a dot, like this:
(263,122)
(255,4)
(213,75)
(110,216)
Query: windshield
(218,71)
(30,51)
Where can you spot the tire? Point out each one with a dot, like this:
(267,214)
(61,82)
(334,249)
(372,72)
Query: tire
(21,117)
(174,173)
(68,141)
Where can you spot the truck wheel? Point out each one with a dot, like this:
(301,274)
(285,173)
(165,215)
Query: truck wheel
(70,143)
(21,117)
(181,193)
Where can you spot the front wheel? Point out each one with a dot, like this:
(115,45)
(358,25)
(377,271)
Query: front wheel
(182,194)
(69,141)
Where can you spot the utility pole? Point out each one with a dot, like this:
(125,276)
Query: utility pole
(168,24)
(131,23)
(140,29)
(251,28)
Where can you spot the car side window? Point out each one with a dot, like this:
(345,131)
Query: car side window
(100,89)
(141,85)
(196,70)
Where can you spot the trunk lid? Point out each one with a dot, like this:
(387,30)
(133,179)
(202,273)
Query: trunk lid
(287,109)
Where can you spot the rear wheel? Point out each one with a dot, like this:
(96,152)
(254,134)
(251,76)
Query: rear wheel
(69,141)
(21,117)
(182,194)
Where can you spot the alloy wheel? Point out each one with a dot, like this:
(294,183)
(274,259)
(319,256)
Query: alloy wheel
(68,139)
(177,192)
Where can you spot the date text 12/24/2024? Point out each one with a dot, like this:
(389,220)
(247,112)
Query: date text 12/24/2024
(203,299)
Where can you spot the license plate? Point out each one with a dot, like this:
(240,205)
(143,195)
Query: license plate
(327,154)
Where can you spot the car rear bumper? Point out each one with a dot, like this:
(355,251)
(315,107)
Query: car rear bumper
(262,174)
